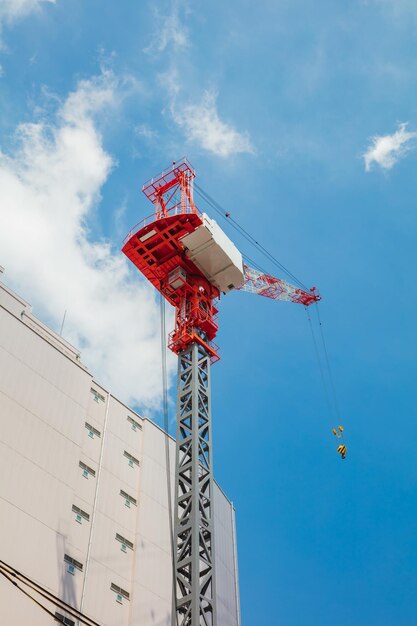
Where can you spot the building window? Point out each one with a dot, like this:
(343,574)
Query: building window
(134,424)
(92,431)
(132,460)
(64,620)
(97,396)
(120,593)
(80,514)
(72,564)
(128,499)
(125,543)
(87,471)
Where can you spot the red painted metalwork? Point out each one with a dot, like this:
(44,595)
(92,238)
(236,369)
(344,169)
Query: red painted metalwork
(161,190)
(276,288)
(155,247)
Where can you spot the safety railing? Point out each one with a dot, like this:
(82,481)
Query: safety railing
(175,210)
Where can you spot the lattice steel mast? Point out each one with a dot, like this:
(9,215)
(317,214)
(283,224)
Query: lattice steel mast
(194,533)
(190,260)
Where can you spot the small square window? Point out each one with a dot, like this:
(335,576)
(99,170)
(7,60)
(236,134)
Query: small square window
(125,543)
(120,593)
(87,471)
(98,397)
(128,499)
(92,432)
(135,425)
(132,460)
(72,564)
(64,620)
(80,514)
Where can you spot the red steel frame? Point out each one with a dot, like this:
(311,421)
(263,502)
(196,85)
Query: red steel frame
(155,247)
(156,250)
(275,288)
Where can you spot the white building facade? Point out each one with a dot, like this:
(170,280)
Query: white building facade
(83,490)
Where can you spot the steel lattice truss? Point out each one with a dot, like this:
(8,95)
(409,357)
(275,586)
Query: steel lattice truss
(194,559)
(276,288)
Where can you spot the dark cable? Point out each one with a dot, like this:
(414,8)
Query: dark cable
(48,595)
(10,572)
(167,455)
(226,215)
(329,369)
(14,583)
(254,264)
(316,350)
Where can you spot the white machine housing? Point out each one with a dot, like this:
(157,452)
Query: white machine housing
(211,250)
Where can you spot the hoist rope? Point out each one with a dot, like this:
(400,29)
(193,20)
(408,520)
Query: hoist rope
(329,369)
(167,454)
(244,233)
(325,369)
(319,362)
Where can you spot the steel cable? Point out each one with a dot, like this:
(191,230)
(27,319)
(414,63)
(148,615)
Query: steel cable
(167,454)
(11,573)
(329,369)
(317,353)
(244,233)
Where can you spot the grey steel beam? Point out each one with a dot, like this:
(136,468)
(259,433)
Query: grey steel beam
(194,524)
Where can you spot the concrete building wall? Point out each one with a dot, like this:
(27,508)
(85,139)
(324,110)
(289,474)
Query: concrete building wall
(80,472)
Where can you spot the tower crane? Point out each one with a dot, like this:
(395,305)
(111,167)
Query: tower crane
(190,260)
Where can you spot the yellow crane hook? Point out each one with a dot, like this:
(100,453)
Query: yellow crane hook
(338,433)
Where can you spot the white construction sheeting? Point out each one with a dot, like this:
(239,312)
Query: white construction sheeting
(215,255)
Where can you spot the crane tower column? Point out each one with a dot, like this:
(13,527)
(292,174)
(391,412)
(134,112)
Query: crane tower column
(188,258)
(194,536)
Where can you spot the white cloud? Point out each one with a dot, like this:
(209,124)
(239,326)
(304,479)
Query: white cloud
(202,124)
(169,30)
(49,187)
(12,10)
(146,132)
(200,121)
(386,150)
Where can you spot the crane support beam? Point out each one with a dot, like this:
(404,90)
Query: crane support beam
(194,522)
(276,288)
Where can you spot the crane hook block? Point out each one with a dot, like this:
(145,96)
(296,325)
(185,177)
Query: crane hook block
(338,433)
(342,451)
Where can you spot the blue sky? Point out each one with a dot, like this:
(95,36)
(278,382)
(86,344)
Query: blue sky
(301,119)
